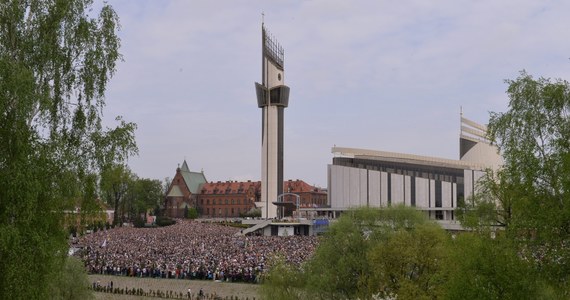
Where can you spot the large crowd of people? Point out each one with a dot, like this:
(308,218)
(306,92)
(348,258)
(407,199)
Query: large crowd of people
(189,249)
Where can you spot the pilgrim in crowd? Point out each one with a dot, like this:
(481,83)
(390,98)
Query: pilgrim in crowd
(189,250)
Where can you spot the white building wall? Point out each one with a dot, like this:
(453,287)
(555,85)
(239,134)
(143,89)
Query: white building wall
(333,184)
(467,183)
(374,188)
(397,189)
(347,187)
(484,154)
(384,188)
(422,192)
(360,187)
(446,194)
(431,193)
(477,175)
(454,195)
(363,188)
(354,196)
(408,190)
(337,190)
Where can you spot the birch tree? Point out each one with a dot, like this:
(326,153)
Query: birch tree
(56,58)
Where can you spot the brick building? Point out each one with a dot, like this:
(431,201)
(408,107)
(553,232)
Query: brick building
(229,199)
(232,198)
(183,191)
(309,196)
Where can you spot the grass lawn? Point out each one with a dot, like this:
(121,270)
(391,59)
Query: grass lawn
(223,289)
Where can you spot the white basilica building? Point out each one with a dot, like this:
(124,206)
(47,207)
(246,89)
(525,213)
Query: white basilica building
(359,177)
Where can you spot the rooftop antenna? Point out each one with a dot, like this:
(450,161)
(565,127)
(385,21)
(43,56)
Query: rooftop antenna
(262,17)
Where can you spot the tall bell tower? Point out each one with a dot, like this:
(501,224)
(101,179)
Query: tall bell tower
(272,98)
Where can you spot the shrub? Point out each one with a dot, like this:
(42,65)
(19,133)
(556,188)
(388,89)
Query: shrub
(72,282)
(138,222)
(164,221)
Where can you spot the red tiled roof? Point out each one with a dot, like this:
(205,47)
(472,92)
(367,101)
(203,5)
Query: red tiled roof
(299,186)
(229,187)
(237,187)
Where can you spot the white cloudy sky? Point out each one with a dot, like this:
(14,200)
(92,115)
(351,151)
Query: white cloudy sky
(381,75)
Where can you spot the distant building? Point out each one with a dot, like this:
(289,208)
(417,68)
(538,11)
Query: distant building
(231,199)
(183,191)
(227,199)
(360,177)
(309,196)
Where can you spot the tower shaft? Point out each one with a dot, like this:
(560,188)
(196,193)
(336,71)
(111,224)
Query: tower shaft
(272,98)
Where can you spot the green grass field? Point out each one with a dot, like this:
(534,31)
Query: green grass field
(222,289)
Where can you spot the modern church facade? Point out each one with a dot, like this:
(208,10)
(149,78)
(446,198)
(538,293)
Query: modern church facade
(359,177)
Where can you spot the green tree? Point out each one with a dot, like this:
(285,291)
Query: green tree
(115,182)
(136,195)
(409,264)
(166,185)
(492,206)
(55,62)
(534,138)
(340,261)
(481,267)
(147,194)
(191,213)
(369,253)
(529,197)
(88,201)
(73,282)
(283,282)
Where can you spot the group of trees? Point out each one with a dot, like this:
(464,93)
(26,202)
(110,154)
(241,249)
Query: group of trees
(130,196)
(367,253)
(529,197)
(517,239)
(396,253)
(56,58)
